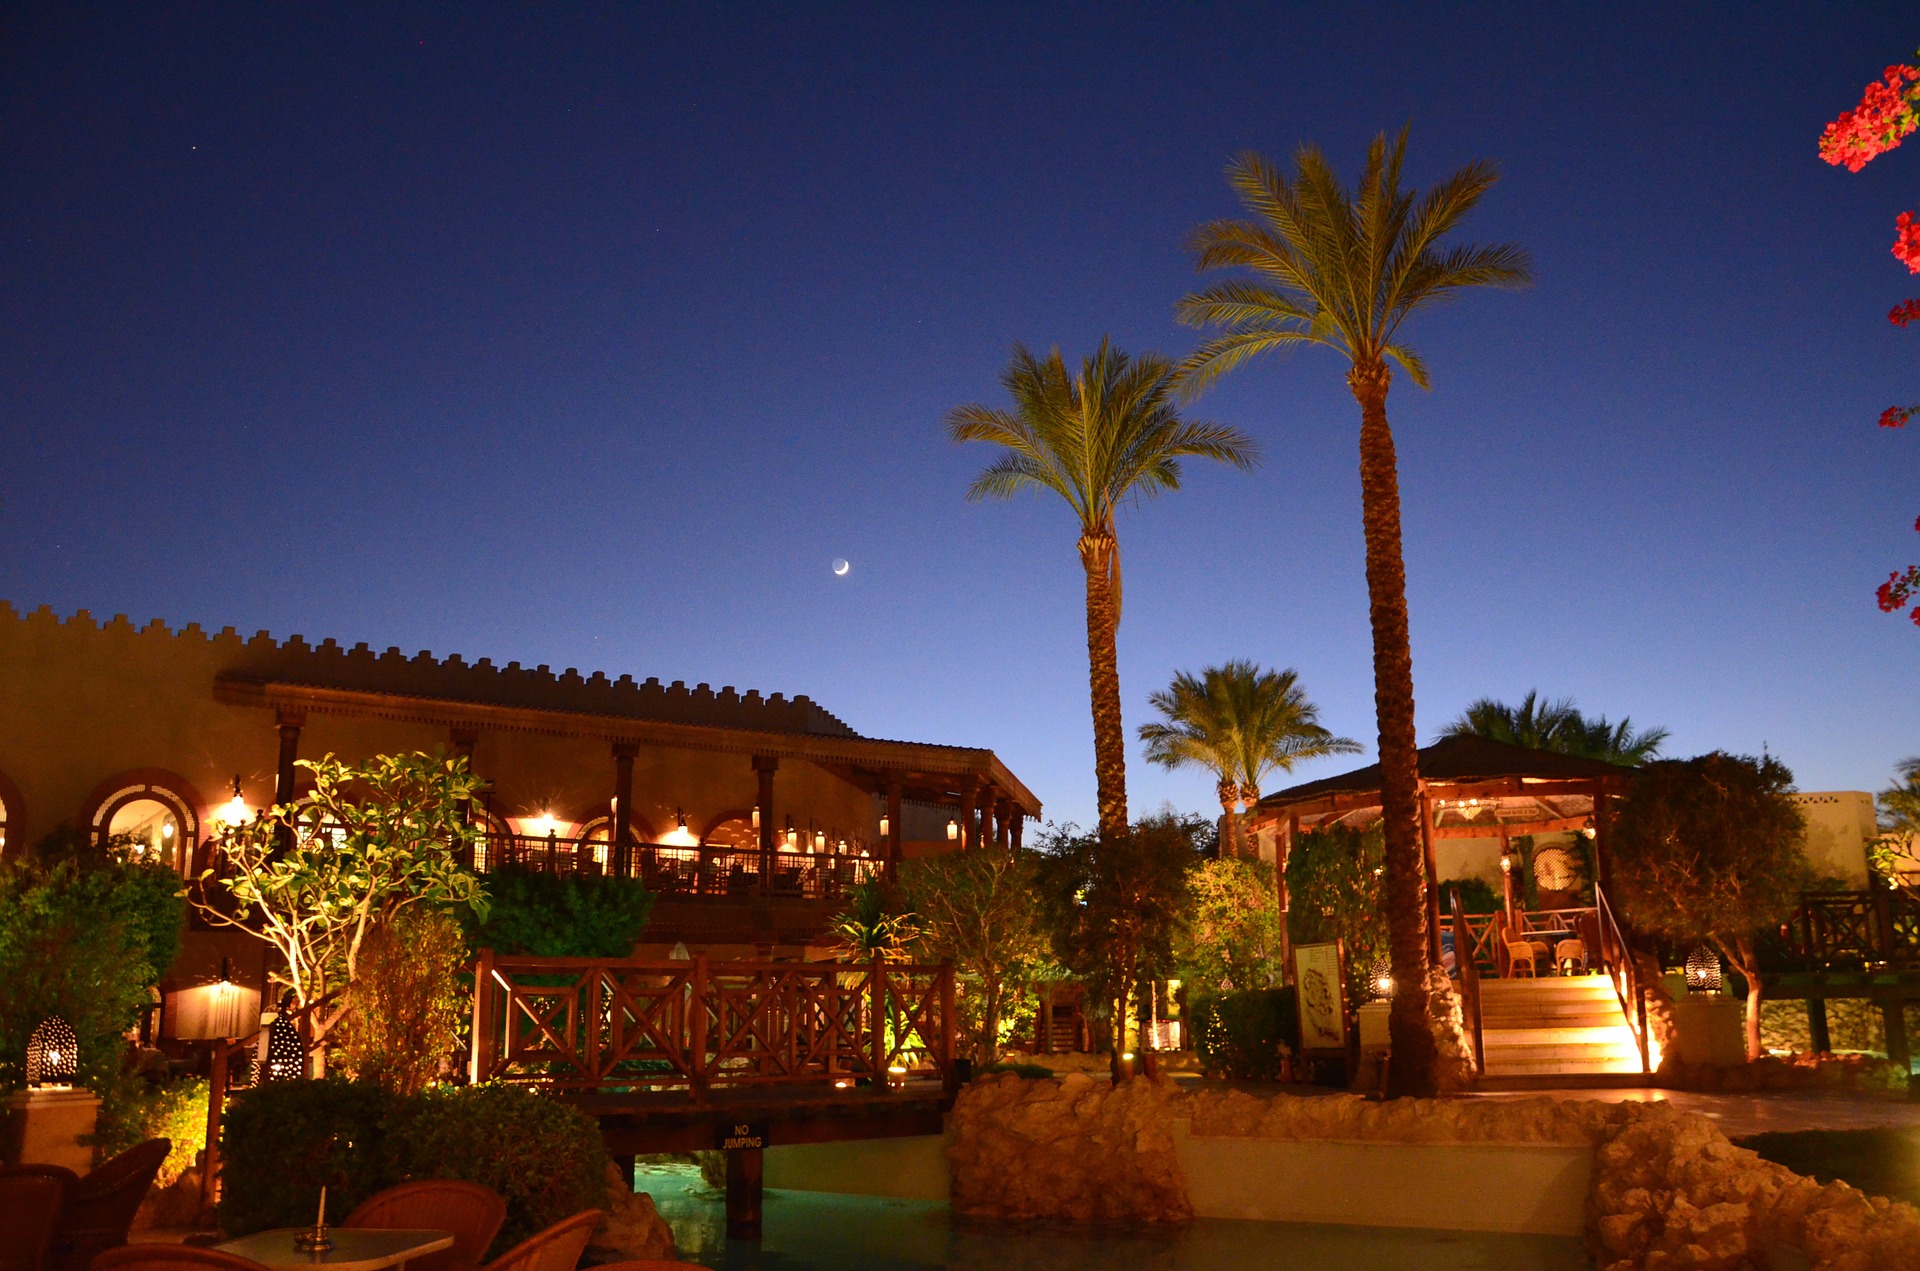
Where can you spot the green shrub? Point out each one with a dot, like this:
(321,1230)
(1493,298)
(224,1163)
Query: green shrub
(133,1110)
(280,1141)
(546,1158)
(560,915)
(1477,896)
(1244,1034)
(84,934)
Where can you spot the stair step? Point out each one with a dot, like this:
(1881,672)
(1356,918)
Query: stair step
(1608,1033)
(1551,1067)
(1585,1019)
(1550,985)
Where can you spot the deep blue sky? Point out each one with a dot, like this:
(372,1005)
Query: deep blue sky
(590,336)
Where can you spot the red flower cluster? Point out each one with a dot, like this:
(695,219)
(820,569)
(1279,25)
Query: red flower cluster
(1897,416)
(1904,312)
(1899,589)
(1880,122)
(1906,241)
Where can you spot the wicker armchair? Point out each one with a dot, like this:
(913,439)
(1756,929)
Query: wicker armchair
(166,1257)
(558,1248)
(30,1198)
(471,1212)
(101,1205)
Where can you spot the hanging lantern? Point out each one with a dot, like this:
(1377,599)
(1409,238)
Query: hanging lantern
(953,831)
(1703,970)
(53,1054)
(885,823)
(286,1056)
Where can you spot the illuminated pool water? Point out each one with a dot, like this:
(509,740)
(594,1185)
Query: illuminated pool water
(814,1231)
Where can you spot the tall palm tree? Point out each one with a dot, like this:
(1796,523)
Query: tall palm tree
(1097,439)
(1240,723)
(1548,724)
(1346,271)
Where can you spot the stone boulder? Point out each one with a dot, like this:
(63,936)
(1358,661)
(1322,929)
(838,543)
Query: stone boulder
(634,1228)
(1071,1148)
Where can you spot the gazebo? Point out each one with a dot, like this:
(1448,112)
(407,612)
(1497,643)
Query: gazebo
(1470,788)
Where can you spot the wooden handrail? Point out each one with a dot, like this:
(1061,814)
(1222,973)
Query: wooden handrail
(1463,962)
(1616,957)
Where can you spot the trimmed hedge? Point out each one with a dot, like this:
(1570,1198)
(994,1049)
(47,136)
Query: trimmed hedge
(281,1140)
(1244,1034)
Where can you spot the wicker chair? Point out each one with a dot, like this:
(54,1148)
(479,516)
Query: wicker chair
(30,1199)
(558,1248)
(471,1212)
(166,1257)
(1521,953)
(101,1205)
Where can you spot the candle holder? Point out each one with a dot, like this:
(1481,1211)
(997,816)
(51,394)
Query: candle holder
(315,1239)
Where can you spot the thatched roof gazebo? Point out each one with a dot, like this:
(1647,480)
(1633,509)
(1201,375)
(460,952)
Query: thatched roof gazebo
(1470,787)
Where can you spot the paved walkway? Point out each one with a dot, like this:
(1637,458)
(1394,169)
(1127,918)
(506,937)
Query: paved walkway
(1742,1114)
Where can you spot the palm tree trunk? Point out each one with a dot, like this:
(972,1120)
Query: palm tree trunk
(1415,1056)
(1098,553)
(1229,820)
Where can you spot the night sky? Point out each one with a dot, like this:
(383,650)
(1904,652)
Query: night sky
(591,336)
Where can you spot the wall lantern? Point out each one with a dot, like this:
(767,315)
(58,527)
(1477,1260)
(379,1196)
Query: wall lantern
(286,1055)
(756,816)
(819,840)
(1703,971)
(234,813)
(53,1055)
(212,1012)
(953,831)
(884,824)
(793,838)
(680,817)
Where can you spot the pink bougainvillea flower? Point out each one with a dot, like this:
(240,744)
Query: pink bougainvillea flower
(1897,416)
(1882,120)
(1899,588)
(1904,312)
(1906,241)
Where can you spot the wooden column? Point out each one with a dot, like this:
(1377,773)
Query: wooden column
(1282,850)
(986,817)
(1433,879)
(1004,816)
(620,849)
(1818,1039)
(1015,830)
(460,744)
(1602,867)
(1893,1016)
(764,766)
(289,724)
(893,828)
(1506,882)
(968,793)
(744,1194)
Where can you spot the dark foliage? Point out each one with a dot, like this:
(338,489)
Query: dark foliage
(1242,1034)
(561,915)
(1477,896)
(281,1141)
(1334,885)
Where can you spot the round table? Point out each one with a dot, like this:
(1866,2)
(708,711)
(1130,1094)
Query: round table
(354,1248)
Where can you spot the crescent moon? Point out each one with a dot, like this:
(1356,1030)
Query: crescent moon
(840,566)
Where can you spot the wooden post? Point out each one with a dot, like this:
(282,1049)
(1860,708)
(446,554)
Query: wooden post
(744,1195)
(986,817)
(1014,831)
(619,854)
(1282,850)
(1893,1016)
(1004,815)
(216,1105)
(480,1045)
(1602,866)
(968,793)
(696,1058)
(877,1022)
(1818,1039)
(893,829)
(949,1078)
(1506,881)
(1433,876)
(764,766)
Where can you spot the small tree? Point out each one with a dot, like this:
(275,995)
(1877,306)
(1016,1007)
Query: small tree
(1711,849)
(977,911)
(1113,908)
(1234,935)
(1893,853)
(406,1019)
(873,922)
(316,878)
(1335,887)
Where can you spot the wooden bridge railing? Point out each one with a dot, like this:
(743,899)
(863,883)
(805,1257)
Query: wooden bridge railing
(1874,929)
(612,1025)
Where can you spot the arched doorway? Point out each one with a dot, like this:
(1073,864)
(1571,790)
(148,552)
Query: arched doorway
(154,819)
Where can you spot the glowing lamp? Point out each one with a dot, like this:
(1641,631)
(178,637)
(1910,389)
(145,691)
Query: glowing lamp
(953,831)
(546,825)
(793,839)
(819,840)
(233,813)
(286,1056)
(53,1055)
(756,816)
(1703,971)
(1380,980)
(897,1076)
(884,825)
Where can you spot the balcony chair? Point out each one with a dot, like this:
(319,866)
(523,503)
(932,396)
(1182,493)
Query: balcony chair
(30,1198)
(100,1206)
(471,1212)
(1569,955)
(166,1257)
(1522,953)
(558,1248)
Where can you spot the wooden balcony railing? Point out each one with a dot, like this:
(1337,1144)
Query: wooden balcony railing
(608,1025)
(1877,929)
(672,870)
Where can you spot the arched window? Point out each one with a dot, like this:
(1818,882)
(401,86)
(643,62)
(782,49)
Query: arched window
(153,814)
(734,832)
(11,822)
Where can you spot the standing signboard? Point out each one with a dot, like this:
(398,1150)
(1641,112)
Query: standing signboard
(1319,977)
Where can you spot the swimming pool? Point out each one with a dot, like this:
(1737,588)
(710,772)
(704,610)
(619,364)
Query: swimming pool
(817,1231)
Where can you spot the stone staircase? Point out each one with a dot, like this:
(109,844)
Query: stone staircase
(1556,1030)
